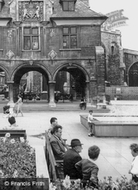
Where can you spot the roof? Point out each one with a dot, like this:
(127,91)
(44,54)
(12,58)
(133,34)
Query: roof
(82,10)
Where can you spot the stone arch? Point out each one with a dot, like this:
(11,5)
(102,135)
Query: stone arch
(38,65)
(6,71)
(23,68)
(77,83)
(132,74)
(72,65)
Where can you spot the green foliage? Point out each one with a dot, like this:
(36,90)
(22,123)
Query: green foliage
(17,159)
(106,184)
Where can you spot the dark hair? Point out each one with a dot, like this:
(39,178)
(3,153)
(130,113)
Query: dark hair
(134,147)
(11,120)
(94,152)
(90,111)
(55,128)
(53,119)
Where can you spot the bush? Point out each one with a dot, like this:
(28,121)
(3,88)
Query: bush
(106,184)
(17,158)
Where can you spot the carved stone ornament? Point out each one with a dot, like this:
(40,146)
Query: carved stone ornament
(30,10)
(52,54)
(10,54)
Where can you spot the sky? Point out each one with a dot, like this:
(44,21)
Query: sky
(129,32)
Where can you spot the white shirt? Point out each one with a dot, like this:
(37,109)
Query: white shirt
(134,166)
(90,118)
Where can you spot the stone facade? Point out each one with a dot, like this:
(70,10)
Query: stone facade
(33,37)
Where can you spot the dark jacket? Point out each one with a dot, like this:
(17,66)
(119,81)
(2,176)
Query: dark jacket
(89,171)
(71,157)
(58,147)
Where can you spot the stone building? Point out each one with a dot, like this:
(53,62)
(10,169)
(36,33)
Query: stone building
(52,36)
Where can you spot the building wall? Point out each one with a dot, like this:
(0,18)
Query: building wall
(88,56)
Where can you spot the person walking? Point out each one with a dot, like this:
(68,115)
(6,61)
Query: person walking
(18,105)
(91,124)
(88,168)
(134,166)
(71,157)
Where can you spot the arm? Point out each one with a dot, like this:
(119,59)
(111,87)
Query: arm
(56,149)
(94,174)
(78,166)
(134,167)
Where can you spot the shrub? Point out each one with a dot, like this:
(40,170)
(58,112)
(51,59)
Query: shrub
(17,158)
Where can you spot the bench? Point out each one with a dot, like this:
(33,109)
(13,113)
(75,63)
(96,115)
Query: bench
(55,171)
(13,133)
(101,105)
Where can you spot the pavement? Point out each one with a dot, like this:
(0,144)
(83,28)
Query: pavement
(115,156)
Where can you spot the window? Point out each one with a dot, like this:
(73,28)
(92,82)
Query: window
(68,6)
(31,38)
(70,37)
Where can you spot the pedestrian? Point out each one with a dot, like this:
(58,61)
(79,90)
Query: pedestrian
(134,166)
(71,157)
(53,123)
(18,105)
(83,104)
(91,124)
(88,168)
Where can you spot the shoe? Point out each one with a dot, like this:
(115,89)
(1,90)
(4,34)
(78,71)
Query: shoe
(89,135)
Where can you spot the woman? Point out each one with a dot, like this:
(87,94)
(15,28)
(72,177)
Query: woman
(134,166)
(19,104)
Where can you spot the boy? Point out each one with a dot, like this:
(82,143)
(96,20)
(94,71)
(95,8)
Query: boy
(90,123)
(88,168)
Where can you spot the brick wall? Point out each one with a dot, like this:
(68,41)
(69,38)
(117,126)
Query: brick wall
(126,93)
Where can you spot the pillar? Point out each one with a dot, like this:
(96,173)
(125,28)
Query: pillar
(51,94)
(87,92)
(11,102)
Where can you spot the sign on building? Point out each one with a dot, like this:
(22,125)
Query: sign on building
(115,19)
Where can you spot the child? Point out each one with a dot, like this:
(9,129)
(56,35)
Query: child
(88,168)
(90,123)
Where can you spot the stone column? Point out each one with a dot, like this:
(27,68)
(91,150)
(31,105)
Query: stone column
(100,62)
(93,89)
(87,92)
(51,94)
(11,102)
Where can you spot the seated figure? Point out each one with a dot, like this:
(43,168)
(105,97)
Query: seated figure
(12,121)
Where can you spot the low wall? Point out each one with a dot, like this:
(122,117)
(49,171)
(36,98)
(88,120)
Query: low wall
(41,167)
(112,128)
(123,92)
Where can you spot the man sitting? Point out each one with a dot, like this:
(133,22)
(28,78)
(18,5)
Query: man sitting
(12,122)
(58,146)
(71,157)
(53,122)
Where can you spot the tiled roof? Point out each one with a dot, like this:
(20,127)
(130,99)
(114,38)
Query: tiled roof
(81,11)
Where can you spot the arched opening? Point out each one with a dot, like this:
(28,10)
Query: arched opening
(71,80)
(133,75)
(4,90)
(31,82)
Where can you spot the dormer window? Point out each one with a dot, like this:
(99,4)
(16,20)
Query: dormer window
(68,5)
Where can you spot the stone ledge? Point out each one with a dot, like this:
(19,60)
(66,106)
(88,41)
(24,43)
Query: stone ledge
(112,128)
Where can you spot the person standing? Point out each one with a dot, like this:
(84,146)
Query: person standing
(91,124)
(19,104)
(134,166)
(71,157)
